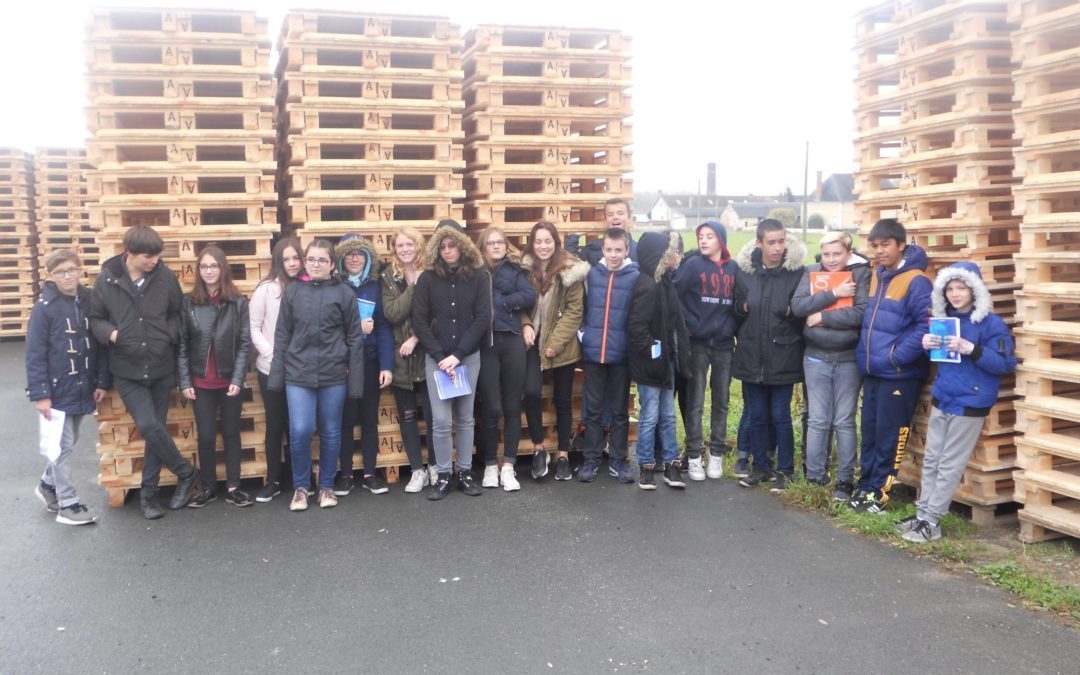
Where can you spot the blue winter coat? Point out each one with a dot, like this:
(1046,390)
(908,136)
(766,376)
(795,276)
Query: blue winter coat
(897,317)
(63,360)
(707,295)
(607,313)
(511,293)
(970,388)
(379,345)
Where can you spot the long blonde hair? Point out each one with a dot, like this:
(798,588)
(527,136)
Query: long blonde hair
(418,239)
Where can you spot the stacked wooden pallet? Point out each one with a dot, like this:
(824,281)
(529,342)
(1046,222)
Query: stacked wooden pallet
(369,124)
(18,241)
(181,112)
(1047,82)
(546,126)
(934,149)
(181,116)
(62,218)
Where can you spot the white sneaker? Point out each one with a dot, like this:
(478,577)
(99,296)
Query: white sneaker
(509,479)
(715,468)
(695,469)
(418,481)
(491,477)
(433,474)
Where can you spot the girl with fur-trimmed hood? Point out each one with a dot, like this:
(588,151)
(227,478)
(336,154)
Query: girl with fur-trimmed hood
(451,315)
(963,392)
(552,340)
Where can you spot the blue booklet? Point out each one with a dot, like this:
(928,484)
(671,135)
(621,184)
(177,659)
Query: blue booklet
(367,308)
(448,387)
(944,327)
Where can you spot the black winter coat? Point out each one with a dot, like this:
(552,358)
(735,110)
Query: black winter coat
(63,360)
(655,314)
(146,319)
(318,341)
(769,347)
(226,327)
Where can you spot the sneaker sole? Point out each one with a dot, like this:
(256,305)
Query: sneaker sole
(675,484)
(411,490)
(298,507)
(647,487)
(239,505)
(376,491)
(63,520)
(193,505)
(511,488)
(267,500)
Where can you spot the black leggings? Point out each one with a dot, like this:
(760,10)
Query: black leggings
(563,379)
(277,426)
(502,381)
(207,404)
(408,421)
(366,411)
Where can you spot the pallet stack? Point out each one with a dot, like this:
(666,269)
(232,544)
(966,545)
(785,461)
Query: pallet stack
(546,130)
(934,148)
(18,242)
(1047,82)
(369,124)
(181,116)
(62,218)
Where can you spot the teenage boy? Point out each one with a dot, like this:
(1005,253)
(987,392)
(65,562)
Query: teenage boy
(659,345)
(891,358)
(66,376)
(617,213)
(768,358)
(135,309)
(963,393)
(705,285)
(604,343)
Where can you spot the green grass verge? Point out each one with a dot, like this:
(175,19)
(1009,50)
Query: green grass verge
(1034,588)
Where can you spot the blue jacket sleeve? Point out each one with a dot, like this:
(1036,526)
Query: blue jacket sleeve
(37,355)
(524,296)
(908,349)
(995,351)
(384,336)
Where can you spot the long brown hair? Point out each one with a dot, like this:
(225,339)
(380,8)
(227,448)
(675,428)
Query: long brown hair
(540,276)
(228,290)
(277,261)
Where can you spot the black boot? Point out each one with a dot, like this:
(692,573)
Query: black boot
(440,488)
(467,484)
(184,487)
(151,507)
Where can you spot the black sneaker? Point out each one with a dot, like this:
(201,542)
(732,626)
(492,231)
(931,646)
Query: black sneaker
(842,491)
(374,484)
(203,499)
(540,462)
(238,497)
(780,483)
(268,492)
(820,482)
(672,476)
(646,481)
(344,485)
(440,488)
(756,478)
(868,503)
(467,484)
(562,469)
(742,467)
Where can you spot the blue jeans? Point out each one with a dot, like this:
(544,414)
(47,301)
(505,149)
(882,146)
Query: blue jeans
(832,389)
(304,405)
(656,415)
(770,408)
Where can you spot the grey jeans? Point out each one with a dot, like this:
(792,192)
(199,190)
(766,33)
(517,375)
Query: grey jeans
(949,442)
(58,473)
(832,390)
(456,413)
(703,358)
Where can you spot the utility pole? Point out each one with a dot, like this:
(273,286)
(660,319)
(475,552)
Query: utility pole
(805,179)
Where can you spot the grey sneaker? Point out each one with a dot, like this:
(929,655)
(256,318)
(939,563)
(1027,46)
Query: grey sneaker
(780,483)
(922,532)
(77,514)
(47,494)
(906,525)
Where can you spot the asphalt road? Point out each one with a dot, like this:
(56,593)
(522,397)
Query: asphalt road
(560,577)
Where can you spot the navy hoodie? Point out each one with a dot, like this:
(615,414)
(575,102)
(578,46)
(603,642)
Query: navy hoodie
(706,292)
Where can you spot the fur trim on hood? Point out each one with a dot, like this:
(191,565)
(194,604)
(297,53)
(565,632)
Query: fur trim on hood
(971,276)
(356,242)
(653,250)
(794,258)
(573,271)
(470,255)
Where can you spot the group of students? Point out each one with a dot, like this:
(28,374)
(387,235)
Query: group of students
(332,325)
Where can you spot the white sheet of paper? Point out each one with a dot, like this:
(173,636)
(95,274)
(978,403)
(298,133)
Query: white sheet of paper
(50,434)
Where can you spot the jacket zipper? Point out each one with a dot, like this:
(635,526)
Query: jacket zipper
(873,317)
(607,315)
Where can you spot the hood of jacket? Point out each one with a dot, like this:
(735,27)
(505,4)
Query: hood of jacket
(749,258)
(721,233)
(914,258)
(50,293)
(655,247)
(855,260)
(970,274)
(354,242)
(574,269)
(470,255)
(115,268)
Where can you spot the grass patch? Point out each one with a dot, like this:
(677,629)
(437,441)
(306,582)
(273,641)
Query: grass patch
(806,495)
(1051,551)
(1034,588)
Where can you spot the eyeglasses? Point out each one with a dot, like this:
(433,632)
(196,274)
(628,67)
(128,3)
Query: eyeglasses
(209,267)
(317,261)
(496,242)
(355,254)
(66,272)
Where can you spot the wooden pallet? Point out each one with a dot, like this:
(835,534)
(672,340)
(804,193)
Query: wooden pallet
(510,187)
(318,54)
(317,179)
(211,25)
(608,99)
(489,66)
(123,121)
(517,153)
(387,29)
(420,209)
(152,187)
(209,149)
(314,148)
(526,213)
(176,57)
(209,211)
(549,39)
(244,88)
(308,87)
(374,120)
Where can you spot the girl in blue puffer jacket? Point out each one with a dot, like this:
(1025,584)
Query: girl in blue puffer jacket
(963,392)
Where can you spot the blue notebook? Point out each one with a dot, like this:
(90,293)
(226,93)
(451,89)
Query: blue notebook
(452,388)
(367,308)
(944,327)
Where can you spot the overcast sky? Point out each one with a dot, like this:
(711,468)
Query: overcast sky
(744,84)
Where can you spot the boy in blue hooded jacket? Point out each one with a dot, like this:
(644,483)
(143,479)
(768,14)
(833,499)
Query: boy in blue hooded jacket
(963,392)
